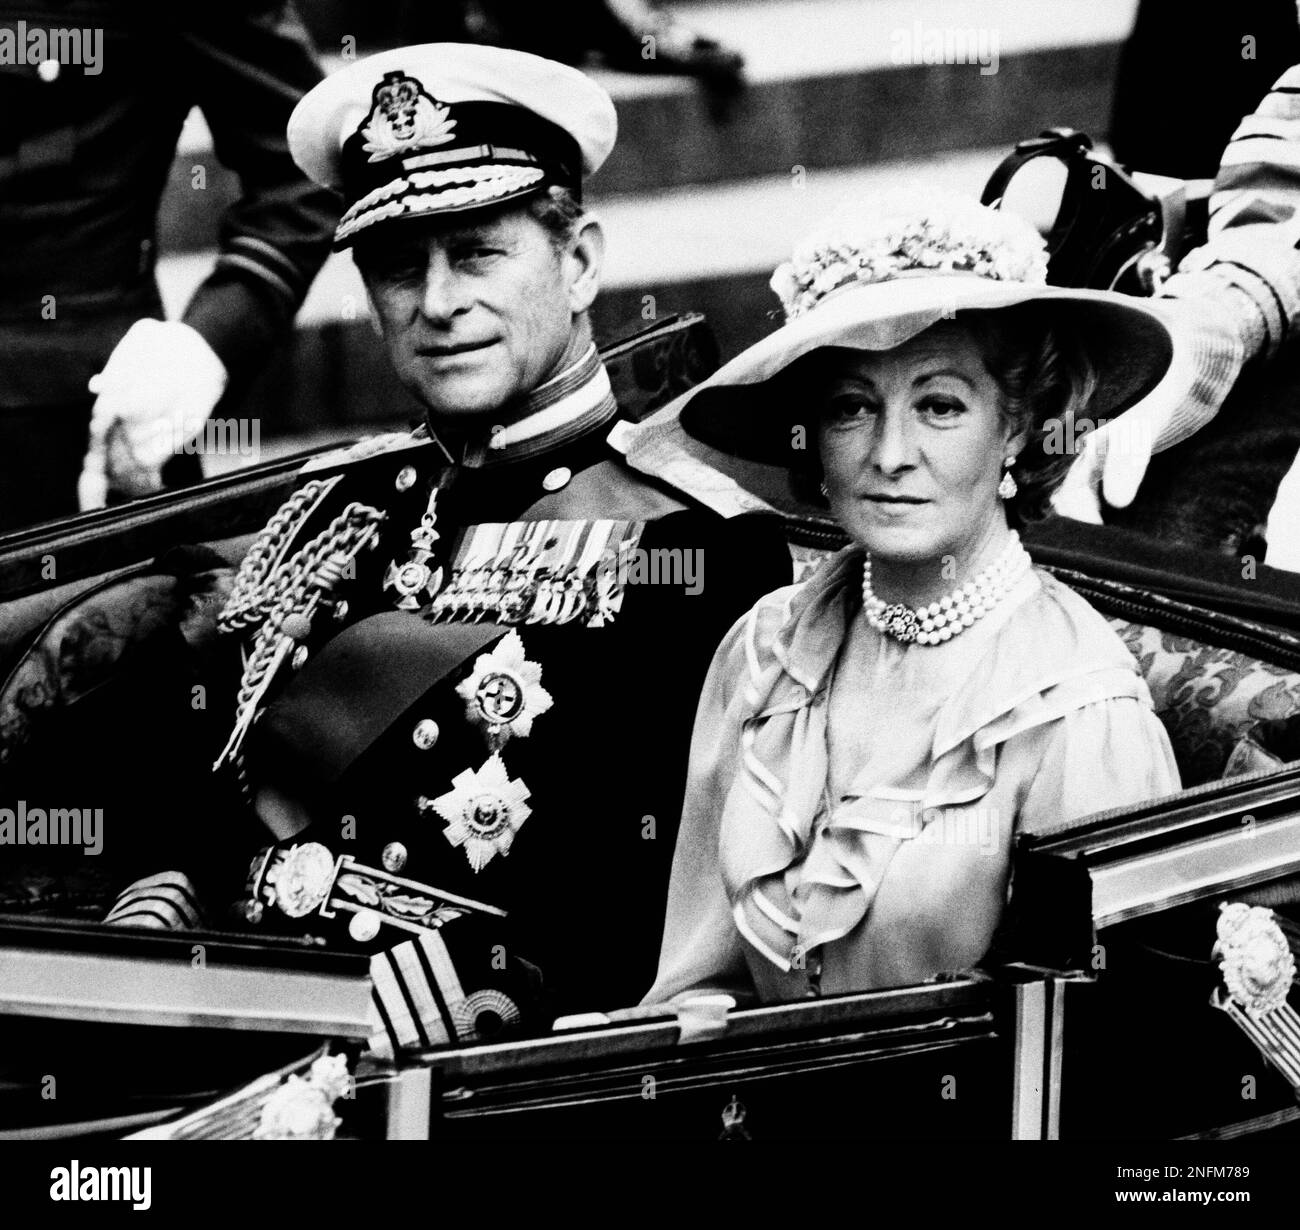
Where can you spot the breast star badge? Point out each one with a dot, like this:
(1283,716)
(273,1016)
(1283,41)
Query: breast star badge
(504,693)
(484,811)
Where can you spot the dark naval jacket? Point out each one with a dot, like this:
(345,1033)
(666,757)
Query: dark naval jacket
(493,718)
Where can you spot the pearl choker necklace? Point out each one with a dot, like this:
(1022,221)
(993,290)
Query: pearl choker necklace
(953,613)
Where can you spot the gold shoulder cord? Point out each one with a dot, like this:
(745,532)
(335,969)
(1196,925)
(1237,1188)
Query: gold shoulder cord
(280,595)
(250,599)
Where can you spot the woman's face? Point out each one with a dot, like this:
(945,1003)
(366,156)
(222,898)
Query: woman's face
(912,442)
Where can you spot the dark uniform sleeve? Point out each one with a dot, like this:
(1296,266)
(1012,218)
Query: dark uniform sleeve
(250,63)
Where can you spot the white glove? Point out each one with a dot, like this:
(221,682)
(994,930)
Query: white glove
(1112,462)
(1283,531)
(156,391)
(1216,327)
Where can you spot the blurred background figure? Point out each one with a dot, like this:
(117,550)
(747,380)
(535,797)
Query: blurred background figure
(85,153)
(634,36)
(1186,97)
(1183,85)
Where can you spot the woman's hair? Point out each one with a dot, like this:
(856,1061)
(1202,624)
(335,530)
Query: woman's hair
(1045,378)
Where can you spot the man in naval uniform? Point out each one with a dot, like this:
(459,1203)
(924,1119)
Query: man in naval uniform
(471,656)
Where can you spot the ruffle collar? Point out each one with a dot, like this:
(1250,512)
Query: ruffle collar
(1051,654)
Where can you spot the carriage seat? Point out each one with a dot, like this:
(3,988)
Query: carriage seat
(1227,713)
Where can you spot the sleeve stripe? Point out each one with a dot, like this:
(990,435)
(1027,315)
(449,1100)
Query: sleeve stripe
(383,1040)
(272,258)
(177,880)
(439,974)
(259,247)
(1276,153)
(421,991)
(407,1030)
(150,901)
(1259,136)
(127,915)
(177,897)
(234,259)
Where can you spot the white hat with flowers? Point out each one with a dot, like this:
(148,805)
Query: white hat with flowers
(872,277)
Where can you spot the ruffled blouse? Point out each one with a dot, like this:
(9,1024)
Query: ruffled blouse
(1034,715)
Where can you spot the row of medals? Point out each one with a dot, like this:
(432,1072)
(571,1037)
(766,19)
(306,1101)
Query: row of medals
(520,572)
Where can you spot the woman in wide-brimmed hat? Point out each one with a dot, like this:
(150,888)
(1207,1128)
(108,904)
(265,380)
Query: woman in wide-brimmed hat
(869,742)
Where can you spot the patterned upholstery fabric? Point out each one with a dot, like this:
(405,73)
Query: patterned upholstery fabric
(78,648)
(85,641)
(1210,699)
(96,643)
(649,369)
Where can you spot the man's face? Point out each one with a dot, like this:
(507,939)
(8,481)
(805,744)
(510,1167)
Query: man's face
(476,309)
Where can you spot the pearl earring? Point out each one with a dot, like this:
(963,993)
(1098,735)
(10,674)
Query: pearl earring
(1008,487)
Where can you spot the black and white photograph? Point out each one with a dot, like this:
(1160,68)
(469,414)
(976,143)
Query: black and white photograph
(629,571)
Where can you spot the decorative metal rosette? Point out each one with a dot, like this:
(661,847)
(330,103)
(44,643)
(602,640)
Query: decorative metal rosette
(484,811)
(484,1015)
(1256,960)
(901,622)
(298,880)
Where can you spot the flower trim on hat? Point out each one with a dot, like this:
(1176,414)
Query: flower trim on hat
(907,234)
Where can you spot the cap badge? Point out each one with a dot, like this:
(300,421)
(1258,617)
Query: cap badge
(404,114)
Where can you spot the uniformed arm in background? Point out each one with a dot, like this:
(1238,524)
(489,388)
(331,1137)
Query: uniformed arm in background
(248,76)
(248,64)
(1235,298)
